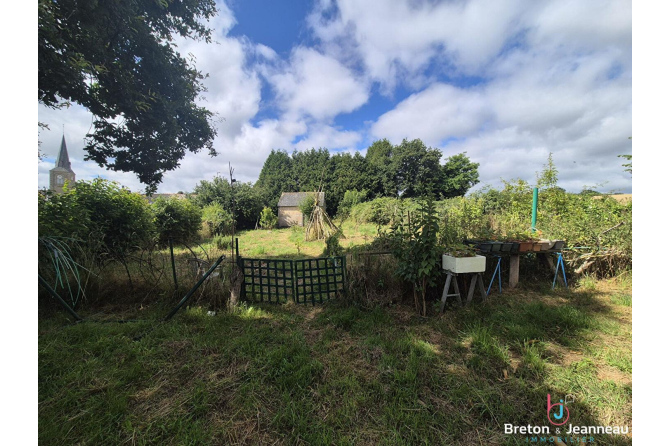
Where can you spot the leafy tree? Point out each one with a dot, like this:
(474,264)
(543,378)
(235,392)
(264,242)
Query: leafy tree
(379,156)
(417,169)
(119,61)
(460,174)
(176,218)
(243,200)
(276,177)
(347,172)
(218,220)
(310,168)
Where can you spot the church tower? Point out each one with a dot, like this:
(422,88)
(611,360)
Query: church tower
(62,173)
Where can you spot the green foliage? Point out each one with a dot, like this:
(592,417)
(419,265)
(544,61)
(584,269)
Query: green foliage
(409,169)
(268,219)
(416,249)
(59,215)
(416,169)
(176,218)
(113,220)
(221,242)
(333,247)
(548,178)
(218,220)
(297,237)
(243,201)
(351,198)
(118,60)
(383,211)
(628,166)
(275,178)
(307,205)
(460,174)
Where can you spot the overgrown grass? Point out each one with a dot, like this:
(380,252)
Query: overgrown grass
(337,374)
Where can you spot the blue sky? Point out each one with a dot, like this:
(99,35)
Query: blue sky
(507,81)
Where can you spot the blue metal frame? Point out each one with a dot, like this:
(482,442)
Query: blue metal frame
(499,273)
(560,264)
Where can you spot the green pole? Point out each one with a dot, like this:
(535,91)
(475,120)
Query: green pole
(534,218)
(195,287)
(58,298)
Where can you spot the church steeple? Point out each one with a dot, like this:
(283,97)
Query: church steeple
(62,173)
(63,159)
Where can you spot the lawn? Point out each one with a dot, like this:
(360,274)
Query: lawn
(336,374)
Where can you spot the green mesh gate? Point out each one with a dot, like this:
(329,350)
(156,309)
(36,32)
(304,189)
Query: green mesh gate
(278,280)
(267,280)
(318,279)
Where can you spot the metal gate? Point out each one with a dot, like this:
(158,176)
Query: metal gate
(308,280)
(316,279)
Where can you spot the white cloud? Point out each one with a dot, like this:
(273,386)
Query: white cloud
(438,112)
(317,85)
(324,136)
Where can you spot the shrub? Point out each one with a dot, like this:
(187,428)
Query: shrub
(119,221)
(268,219)
(218,220)
(221,242)
(415,248)
(350,199)
(176,218)
(333,247)
(307,205)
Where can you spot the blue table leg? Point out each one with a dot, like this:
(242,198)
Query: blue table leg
(496,271)
(560,265)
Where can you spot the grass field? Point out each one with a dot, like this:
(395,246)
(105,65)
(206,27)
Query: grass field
(337,374)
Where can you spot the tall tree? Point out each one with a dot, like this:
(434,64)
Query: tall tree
(276,177)
(379,157)
(118,59)
(460,174)
(417,169)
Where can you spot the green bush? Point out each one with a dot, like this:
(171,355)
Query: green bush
(218,220)
(333,247)
(221,242)
(383,211)
(268,219)
(176,218)
(307,205)
(350,199)
(112,219)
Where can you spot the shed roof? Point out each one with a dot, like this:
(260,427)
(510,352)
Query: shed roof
(295,198)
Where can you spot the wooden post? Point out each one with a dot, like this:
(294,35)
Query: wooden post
(514,261)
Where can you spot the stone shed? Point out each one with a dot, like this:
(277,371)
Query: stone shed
(289,207)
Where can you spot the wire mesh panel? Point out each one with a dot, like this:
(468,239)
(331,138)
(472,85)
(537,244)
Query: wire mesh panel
(319,279)
(267,280)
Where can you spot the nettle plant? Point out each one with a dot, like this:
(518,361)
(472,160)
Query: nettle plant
(416,248)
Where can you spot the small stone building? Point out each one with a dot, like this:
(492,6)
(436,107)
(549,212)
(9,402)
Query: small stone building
(63,172)
(289,207)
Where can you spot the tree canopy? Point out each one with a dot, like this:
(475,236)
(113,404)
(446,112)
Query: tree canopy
(410,169)
(118,60)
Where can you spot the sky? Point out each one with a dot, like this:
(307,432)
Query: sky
(506,81)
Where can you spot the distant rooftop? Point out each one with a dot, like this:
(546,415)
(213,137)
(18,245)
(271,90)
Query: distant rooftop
(291,199)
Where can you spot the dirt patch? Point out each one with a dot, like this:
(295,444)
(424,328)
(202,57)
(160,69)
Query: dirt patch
(609,373)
